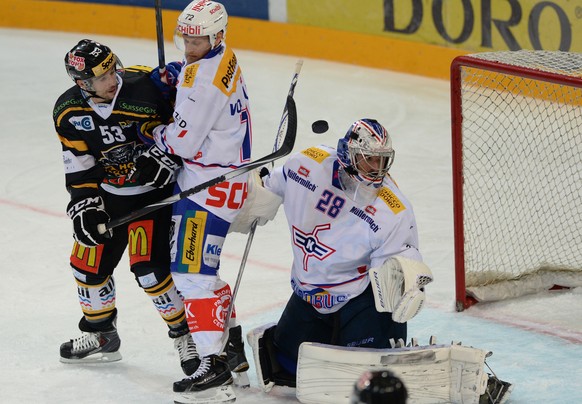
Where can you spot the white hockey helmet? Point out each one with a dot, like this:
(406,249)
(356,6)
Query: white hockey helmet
(201,18)
(366,139)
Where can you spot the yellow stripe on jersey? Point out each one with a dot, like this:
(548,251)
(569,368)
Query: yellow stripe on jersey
(78,145)
(316,154)
(89,109)
(88,185)
(190,75)
(72,109)
(391,200)
(228,73)
(138,68)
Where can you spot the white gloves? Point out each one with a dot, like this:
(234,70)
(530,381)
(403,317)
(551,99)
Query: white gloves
(398,287)
(261,204)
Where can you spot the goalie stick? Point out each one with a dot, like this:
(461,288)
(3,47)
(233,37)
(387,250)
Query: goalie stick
(289,116)
(277,146)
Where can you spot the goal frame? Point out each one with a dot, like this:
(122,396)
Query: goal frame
(462,299)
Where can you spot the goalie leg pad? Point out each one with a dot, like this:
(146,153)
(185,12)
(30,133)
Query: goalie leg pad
(431,374)
(269,372)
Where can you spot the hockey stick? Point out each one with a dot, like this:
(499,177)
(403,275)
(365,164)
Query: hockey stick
(289,117)
(243,261)
(160,37)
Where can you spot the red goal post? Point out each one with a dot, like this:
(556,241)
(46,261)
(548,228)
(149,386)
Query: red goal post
(517,173)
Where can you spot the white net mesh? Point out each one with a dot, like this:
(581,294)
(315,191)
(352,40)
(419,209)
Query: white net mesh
(522,167)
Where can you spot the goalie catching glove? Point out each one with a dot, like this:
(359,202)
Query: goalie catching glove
(87,214)
(154,168)
(398,287)
(261,205)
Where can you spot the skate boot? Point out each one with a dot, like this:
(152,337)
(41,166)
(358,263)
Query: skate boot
(186,348)
(98,343)
(211,383)
(237,360)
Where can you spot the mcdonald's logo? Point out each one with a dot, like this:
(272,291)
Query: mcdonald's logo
(86,258)
(140,241)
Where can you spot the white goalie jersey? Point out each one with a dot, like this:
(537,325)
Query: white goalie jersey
(334,240)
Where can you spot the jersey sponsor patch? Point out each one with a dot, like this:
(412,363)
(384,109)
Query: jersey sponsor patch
(319,298)
(391,200)
(174,233)
(227,74)
(366,218)
(84,123)
(86,258)
(190,75)
(300,180)
(212,250)
(316,154)
(140,236)
(304,172)
(208,314)
(193,241)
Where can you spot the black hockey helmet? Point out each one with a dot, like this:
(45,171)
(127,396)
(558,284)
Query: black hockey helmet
(90,59)
(379,387)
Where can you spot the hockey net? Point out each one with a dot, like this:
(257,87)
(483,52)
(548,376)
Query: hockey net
(517,173)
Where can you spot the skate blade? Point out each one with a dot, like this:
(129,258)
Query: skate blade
(101,357)
(241,367)
(241,380)
(221,394)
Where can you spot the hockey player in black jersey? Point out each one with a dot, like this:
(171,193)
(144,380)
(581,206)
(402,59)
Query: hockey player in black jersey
(103,123)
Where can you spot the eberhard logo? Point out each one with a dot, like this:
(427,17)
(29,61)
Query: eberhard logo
(316,154)
(193,238)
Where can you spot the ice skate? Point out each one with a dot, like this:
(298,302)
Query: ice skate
(237,360)
(92,346)
(211,383)
(186,348)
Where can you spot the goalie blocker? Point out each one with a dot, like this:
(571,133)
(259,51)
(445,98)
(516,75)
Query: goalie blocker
(431,374)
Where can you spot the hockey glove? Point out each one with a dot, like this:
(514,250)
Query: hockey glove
(155,168)
(87,214)
(260,205)
(398,287)
(168,79)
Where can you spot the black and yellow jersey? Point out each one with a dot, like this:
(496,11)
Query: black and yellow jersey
(100,151)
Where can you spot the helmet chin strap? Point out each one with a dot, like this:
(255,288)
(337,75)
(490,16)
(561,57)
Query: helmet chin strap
(92,94)
(351,170)
(85,88)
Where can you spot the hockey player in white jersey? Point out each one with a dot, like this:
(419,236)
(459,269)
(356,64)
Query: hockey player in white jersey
(212,133)
(347,218)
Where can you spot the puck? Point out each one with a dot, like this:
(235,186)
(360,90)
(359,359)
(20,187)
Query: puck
(320,126)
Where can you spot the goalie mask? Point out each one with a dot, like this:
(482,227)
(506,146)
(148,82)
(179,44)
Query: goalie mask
(379,387)
(365,152)
(89,60)
(201,18)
